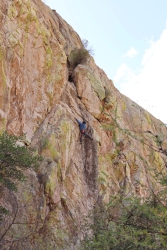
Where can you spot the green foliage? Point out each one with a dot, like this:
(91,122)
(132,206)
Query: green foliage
(158,141)
(79,55)
(14,159)
(107,92)
(45,143)
(129,223)
(3,211)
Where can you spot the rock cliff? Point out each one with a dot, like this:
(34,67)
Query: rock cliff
(39,99)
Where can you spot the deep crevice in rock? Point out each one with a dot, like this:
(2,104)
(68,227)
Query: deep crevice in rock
(70,78)
(90,156)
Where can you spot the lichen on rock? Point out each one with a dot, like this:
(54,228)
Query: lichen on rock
(37,98)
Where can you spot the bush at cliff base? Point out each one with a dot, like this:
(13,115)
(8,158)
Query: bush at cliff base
(129,223)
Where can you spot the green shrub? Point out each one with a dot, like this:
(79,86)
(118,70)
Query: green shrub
(128,223)
(3,211)
(14,159)
(79,55)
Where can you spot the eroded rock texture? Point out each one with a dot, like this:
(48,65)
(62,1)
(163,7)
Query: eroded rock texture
(37,99)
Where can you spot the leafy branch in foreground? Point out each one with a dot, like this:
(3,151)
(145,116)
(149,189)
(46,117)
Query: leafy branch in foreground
(14,159)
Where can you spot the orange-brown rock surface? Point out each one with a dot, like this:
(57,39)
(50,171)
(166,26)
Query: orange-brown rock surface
(37,99)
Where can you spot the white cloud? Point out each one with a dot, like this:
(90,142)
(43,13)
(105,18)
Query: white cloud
(149,88)
(131,53)
(121,72)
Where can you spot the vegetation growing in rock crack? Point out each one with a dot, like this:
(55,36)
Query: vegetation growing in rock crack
(79,55)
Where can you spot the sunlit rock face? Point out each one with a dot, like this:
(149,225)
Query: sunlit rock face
(38,98)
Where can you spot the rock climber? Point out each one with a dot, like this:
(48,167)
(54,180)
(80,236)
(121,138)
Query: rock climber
(82,127)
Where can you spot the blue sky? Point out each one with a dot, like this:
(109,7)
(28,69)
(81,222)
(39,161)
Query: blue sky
(129,39)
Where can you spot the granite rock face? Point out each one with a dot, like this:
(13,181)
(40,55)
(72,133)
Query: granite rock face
(38,98)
